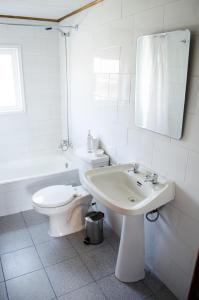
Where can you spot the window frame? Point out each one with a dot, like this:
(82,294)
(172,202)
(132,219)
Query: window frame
(20,108)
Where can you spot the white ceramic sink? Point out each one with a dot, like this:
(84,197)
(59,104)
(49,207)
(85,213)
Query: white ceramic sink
(128,193)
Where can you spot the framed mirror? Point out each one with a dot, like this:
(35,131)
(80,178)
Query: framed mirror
(161,75)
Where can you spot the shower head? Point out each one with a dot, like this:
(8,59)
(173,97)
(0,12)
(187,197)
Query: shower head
(58,28)
(61,28)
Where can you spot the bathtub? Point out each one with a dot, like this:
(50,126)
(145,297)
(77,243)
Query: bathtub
(19,180)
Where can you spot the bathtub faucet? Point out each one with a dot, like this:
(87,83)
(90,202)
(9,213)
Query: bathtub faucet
(64,145)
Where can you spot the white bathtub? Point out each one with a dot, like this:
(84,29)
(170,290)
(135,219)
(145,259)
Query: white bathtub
(20,179)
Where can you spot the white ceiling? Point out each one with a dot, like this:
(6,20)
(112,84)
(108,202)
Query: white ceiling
(40,8)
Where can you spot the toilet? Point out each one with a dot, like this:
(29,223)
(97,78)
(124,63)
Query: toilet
(65,206)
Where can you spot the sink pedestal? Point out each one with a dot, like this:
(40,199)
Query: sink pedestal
(130,195)
(130,260)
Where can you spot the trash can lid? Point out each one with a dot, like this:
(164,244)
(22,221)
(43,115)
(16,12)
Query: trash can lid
(94,216)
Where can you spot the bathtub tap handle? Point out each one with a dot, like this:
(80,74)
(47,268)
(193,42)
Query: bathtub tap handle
(64,145)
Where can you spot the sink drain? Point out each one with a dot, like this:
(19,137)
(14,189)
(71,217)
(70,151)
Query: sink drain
(131,199)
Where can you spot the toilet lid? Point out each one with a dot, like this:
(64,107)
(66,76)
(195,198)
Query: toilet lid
(54,196)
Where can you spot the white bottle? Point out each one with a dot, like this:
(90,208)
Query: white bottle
(89,142)
(95,144)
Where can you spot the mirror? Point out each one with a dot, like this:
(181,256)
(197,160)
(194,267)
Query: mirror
(161,75)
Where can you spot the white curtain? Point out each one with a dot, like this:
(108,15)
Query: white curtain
(152,83)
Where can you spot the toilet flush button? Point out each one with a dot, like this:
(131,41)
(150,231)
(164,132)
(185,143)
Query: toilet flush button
(76,193)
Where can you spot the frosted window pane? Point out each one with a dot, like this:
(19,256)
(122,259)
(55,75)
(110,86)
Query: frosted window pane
(11,99)
(7,86)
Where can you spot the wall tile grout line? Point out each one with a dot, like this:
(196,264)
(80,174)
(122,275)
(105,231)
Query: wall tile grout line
(186,167)
(150,8)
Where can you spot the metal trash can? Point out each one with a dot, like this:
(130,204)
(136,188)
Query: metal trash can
(94,227)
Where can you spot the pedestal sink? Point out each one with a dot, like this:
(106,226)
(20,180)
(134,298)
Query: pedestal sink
(127,193)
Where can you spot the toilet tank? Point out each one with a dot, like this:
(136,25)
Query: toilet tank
(88,161)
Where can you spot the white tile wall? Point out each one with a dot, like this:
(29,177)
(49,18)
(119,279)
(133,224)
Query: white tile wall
(174,166)
(149,21)
(134,6)
(39,128)
(193,94)
(171,243)
(194,68)
(182,14)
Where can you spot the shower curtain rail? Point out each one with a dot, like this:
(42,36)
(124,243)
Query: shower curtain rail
(51,26)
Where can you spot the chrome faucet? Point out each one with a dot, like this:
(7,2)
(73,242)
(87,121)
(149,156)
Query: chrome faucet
(134,168)
(64,145)
(153,178)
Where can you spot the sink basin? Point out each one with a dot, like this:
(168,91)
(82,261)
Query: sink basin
(127,193)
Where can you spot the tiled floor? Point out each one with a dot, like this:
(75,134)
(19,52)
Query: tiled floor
(36,266)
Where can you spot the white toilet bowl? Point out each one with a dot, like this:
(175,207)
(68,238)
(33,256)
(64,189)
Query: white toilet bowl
(65,206)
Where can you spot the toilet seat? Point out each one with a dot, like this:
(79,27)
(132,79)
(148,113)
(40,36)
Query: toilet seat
(54,196)
(65,207)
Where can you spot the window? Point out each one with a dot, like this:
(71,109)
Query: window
(11,80)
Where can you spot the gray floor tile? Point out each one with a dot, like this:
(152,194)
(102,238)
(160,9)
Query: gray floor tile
(76,240)
(115,289)
(114,241)
(111,237)
(100,262)
(55,251)
(68,276)
(1,273)
(11,222)
(39,233)
(30,287)
(108,232)
(3,292)
(20,262)
(14,240)
(165,294)
(141,290)
(152,282)
(33,218)
(89,292)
